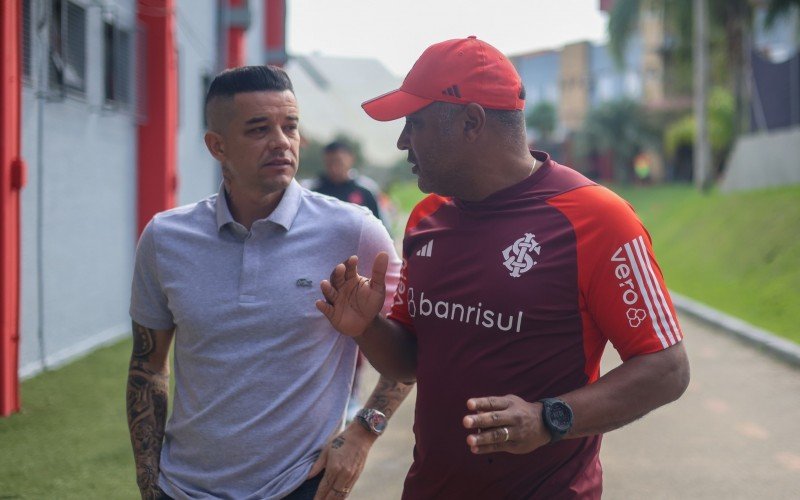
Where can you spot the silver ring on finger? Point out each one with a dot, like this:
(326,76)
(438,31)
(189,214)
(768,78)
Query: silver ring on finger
(507,434)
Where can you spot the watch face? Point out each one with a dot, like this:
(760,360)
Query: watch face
(560,416)
(377,422)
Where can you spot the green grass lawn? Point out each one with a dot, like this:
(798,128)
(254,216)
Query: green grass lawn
(71,438)
(736,252)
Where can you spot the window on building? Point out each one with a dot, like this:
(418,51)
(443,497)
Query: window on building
(117,67)
(26,39)
(67,47)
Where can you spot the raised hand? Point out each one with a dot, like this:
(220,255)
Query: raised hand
(353,301)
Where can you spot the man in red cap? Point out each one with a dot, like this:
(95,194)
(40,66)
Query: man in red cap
(516,273)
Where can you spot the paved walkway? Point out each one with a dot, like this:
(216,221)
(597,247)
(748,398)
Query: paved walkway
(735,434)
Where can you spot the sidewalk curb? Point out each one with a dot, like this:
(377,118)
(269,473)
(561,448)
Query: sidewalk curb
(768,342)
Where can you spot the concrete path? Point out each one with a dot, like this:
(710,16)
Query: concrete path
(735,434)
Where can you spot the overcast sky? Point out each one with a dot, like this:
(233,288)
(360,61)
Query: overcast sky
(397,31)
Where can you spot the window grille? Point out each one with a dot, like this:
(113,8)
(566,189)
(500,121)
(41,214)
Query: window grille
(117,68)
(140,73)
(67,47)
(26,40)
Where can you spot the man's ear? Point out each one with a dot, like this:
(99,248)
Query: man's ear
(474,121)
(216,145)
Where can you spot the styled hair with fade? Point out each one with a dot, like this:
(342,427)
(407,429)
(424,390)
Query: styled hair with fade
(247,79)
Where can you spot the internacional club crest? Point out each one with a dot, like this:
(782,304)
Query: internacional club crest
(517,256)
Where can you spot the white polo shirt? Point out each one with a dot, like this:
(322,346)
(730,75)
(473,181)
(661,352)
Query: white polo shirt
(261,378)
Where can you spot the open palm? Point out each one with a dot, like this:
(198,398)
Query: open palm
(351,300)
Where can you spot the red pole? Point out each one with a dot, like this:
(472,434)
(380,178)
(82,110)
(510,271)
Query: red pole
(157,177)
(236,45)
(275,32)
(12,179)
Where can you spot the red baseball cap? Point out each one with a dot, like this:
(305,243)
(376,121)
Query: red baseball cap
(460,71)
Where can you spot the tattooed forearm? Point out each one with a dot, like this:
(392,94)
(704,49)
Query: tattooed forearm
(147,401)
(388,395)
(143,341)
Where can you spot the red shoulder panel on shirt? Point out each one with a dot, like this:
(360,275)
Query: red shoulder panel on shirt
(623,295)
(425,208)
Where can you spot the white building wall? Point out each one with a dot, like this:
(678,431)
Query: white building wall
(197,41)
(80,235)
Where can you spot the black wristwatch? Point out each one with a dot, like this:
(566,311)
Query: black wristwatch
(372,420)
(557,417)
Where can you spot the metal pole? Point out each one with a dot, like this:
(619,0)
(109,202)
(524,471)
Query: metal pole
(702,149)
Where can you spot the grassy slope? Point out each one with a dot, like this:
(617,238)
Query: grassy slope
(738,252)
(71,439)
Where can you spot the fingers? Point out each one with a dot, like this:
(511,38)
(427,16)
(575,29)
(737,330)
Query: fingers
(493,438)
(347,270)
(378,279)
(319,464)
(333,487)
(328,291)
(337,275)
(488,403)
(351,267)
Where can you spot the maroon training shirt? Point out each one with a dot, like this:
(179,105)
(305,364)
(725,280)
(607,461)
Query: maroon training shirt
(518,294)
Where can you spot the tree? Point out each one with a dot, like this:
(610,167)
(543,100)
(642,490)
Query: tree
(729,40)
(618,127)
(542,119)
(680,134)
(731,22)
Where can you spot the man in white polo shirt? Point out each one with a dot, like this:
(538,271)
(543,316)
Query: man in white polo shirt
(261,379)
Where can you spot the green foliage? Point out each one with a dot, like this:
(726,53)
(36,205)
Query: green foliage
(736,252)
(405,195)
(721,134)
(543,119)
(680,133)
(729,24)
(621,127)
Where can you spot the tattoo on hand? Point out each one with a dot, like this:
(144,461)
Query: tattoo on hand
(337,443)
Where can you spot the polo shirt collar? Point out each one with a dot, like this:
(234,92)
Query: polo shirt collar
(283,215)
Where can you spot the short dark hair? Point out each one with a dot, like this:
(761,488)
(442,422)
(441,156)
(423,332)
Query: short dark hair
(238,80)
(335,146)
(247,79)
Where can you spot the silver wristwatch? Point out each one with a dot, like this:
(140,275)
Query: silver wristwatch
(372,420)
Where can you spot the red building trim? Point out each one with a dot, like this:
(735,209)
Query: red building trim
(236,40)
(275,32)
(12,179)
(157,174)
